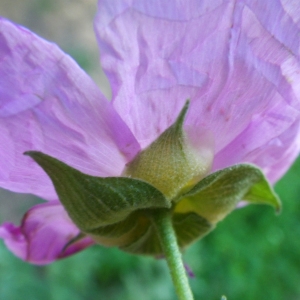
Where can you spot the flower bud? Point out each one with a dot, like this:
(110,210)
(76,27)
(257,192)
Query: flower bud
(175,161)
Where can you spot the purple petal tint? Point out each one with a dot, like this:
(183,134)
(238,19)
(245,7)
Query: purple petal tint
(48,103)
(44,232)
(238,62)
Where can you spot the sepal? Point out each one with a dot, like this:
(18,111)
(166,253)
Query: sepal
(218,194)
(94,202)
(175,161)
(188,227)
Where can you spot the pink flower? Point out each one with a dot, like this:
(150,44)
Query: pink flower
(238,62)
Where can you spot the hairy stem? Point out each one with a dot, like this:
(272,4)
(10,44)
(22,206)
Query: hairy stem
(163,223)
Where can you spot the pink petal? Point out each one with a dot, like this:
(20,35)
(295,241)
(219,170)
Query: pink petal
(47,103)
(45,231)
(238,62)
(270,140)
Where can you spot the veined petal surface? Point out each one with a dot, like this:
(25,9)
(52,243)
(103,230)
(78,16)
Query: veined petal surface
(44,232)
(238,62)
(48,104)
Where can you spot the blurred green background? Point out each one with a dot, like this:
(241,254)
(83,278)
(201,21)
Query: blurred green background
(253,254)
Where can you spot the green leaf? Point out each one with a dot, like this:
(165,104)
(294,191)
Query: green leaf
(218,194)
(93,202)
(188,227)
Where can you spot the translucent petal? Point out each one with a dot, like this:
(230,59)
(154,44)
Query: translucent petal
(48,103)
(238,62)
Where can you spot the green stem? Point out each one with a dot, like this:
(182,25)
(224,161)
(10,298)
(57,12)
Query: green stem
(163,223)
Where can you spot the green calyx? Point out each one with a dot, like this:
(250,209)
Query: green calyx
(167,175)
(171,163)
(218,194)
(100,206)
